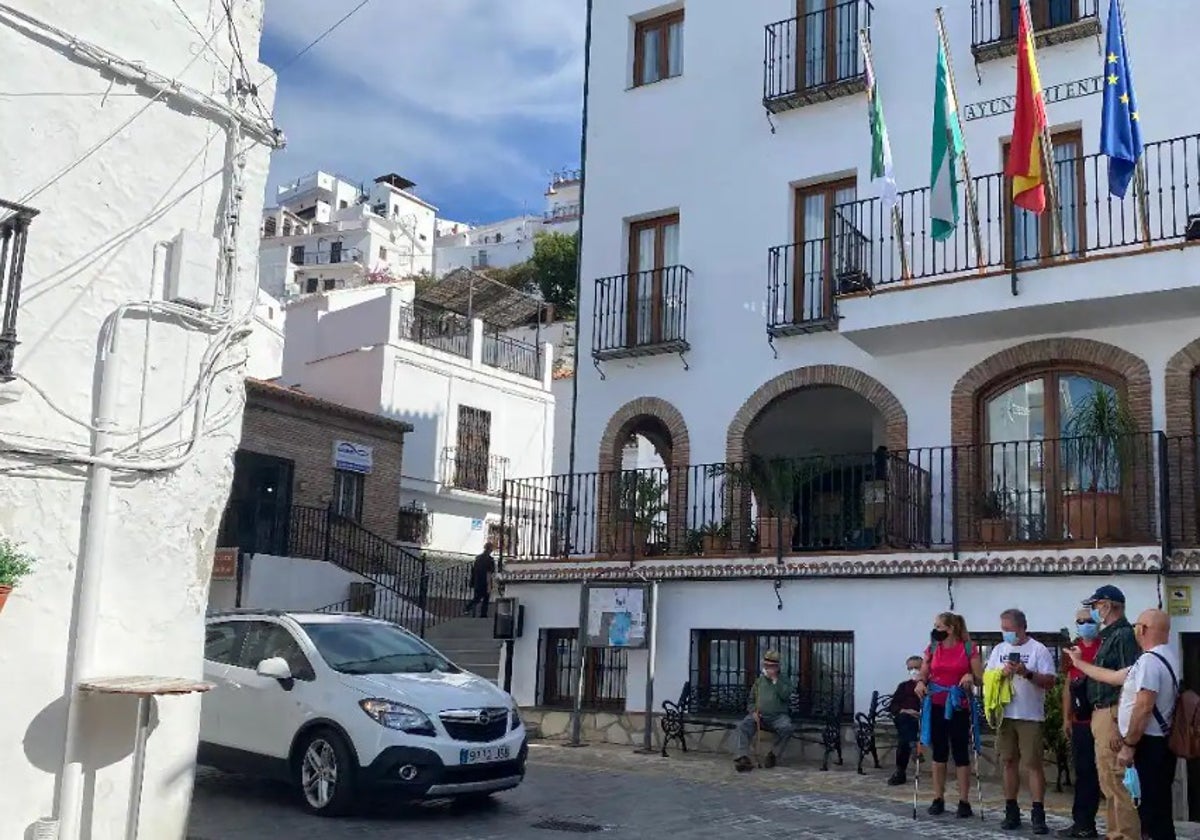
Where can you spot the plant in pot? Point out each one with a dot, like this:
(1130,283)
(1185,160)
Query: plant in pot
(1097,455)
(714,537)
(15,565)
(992,511)
(774,483)
(640,501)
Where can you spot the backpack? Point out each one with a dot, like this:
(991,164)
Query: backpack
(1183,735)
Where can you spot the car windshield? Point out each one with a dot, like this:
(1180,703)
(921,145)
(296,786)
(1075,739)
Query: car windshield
(370,648)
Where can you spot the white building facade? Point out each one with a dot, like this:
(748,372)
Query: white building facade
(328,232)
(479,401)
(122,407)
(854,442)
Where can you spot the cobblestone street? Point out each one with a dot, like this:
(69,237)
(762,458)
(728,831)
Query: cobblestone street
(615,793)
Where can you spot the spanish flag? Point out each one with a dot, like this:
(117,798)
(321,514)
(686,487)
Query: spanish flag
(1029,123)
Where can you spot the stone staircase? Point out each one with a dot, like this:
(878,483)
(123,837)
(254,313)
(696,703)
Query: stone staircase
(468,643)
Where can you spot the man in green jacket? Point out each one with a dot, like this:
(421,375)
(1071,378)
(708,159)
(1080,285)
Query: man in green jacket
(769,701)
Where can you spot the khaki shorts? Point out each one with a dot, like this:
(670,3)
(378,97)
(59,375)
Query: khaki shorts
(1020,739)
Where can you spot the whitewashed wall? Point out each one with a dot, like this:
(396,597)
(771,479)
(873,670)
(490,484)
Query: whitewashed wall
(90,251)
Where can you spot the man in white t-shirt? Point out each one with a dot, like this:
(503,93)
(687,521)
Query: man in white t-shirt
(1029,665)
(1149,689)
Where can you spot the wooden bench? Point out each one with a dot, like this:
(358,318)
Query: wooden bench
(817,718)
(877,725)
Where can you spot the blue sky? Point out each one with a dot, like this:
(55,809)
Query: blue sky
(475,100)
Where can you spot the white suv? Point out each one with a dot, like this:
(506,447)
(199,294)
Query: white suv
(337,704)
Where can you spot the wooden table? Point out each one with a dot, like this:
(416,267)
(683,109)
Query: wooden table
(144,689)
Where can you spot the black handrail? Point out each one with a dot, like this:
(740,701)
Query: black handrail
(814,50)
(641,312)
(14,233)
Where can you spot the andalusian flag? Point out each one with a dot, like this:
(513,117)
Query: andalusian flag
(948,146)
(1029,125)
(881,146)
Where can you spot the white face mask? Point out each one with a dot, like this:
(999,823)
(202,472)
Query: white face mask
(914,672)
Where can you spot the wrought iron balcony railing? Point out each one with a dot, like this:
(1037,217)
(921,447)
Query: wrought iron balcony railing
(994,24)
(512,354)
(14,233)
(562,213)
(346,255)
(866,253)
(1132,490)
(641,314)
(443,331)
(478,472)
(815,57)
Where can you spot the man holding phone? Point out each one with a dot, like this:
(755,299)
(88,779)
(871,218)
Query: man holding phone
(1028,663)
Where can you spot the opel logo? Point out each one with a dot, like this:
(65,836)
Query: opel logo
(484,718)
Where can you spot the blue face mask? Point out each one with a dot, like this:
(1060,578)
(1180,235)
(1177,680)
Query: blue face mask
(1096,616)
(1088,631)
(1133,784)
(1010,636)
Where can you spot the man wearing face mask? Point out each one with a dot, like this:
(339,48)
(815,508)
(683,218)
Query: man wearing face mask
(1028,663)
(1077,726)
(1118,651)
(770,698)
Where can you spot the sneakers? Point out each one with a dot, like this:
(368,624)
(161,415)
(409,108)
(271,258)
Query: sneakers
(897,778)
(1012,816)
(964,810)
(1077,831)
(769,761)
(937,807)
(743,764)
(1037,818)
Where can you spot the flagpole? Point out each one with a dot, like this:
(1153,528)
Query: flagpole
(1140,182)
(972,208)
(1047,149)
(897,221)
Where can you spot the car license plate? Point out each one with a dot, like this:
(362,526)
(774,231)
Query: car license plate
(483,755)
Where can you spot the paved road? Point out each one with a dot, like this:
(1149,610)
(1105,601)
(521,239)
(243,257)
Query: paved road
(606,803)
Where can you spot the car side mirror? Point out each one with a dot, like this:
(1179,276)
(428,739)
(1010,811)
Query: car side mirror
(276,668)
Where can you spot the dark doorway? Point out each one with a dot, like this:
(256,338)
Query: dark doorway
(256,518)
(1190,645)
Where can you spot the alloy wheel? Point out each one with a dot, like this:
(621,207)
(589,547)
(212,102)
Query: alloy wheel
(319,773)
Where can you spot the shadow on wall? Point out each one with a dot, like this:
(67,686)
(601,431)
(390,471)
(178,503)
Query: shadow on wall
(422,453)
(108,723)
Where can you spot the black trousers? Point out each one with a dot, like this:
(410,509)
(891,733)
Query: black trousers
(908,731)
(1156,771)
(1087,780)
(482,596)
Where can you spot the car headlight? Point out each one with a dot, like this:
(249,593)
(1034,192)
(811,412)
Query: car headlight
(398,716)
(514,718)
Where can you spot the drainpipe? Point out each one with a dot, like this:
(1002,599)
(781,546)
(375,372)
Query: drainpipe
(81,643)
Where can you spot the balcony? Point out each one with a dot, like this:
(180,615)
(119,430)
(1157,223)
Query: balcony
(332,257)
(512,355)
(474,471)
(641,314)
(994,24)
(445,331)
(800,284)
(14,232)
(1069,494)
(815,57)
(562,213)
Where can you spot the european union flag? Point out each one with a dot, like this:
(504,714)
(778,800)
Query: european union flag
(1120,126)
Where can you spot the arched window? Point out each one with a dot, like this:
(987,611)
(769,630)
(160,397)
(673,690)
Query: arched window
(1032,465)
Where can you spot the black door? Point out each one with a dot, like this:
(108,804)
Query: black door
(256,519)
(1190,645)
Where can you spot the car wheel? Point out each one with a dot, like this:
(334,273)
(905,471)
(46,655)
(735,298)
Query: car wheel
(325,774)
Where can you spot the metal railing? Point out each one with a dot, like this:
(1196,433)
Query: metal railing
(814,51)
(800,286)
(1069,491)
(321,534)
(512,354)
(995,21)
(866,240)
(478,472)
(444,331)
(14,233)
(642,313)
(346,255)
(562,213)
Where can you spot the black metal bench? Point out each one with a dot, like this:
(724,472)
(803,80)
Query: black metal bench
(817,718)
(877,724)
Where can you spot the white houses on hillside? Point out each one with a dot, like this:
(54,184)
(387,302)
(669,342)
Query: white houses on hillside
(328,232)
(865,440)
(478,399)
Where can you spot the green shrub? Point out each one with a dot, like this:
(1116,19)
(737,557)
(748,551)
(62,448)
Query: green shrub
(14,563)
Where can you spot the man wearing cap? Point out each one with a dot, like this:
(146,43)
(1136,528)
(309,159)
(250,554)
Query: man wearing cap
(1118,650)
(769,700)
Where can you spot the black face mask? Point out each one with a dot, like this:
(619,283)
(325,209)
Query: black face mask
(936,635)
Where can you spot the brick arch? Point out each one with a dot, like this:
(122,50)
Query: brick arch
(1181,422)
(1178,381)
(1130,369)
(674,447)
(816,376)
(664,425)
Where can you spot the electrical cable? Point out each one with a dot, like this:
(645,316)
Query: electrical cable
(276,72)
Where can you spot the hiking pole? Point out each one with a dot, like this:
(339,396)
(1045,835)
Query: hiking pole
(976,737)
(917,782)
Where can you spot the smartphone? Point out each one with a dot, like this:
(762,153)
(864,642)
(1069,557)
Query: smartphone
(1066,634)
(1014,657)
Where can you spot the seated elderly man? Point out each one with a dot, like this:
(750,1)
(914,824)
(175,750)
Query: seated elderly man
(769,699)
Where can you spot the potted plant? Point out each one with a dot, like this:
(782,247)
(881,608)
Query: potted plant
(1096,456)
(14,566)
(992,510)
(774,483)
(640,501)
(714,537)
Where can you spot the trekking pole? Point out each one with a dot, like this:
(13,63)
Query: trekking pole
(757,728)
(917,781)
(978,747)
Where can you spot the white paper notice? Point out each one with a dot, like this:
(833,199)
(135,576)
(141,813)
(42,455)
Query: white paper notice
(594,619)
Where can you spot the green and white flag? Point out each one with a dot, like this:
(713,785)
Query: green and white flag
(948,146)
(881,146)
